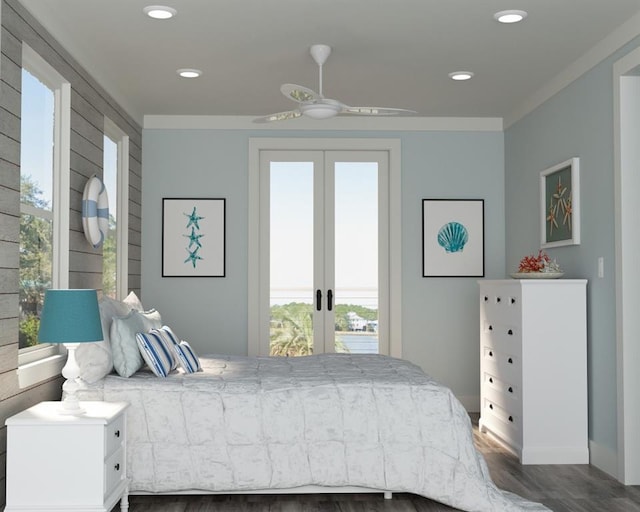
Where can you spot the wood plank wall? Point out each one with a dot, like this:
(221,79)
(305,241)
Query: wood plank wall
(89,106)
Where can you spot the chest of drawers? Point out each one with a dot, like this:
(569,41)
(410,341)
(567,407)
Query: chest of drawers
(59,462)
(533,368)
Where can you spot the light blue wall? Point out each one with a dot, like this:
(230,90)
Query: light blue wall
(440,316)
(578,121)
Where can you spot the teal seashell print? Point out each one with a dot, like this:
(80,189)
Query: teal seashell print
(453,236)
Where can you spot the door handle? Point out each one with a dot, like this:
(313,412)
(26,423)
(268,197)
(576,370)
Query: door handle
(330,300)
(318,300)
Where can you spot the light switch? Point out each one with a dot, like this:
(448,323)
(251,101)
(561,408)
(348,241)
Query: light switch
(600,266)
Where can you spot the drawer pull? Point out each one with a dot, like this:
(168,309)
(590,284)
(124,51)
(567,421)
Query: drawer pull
(510,389)
(486,298)
(498,300)
(490,353)
(491,327)
(513,301)
(117,433)
(510,360)
(511,419)
(117,467)
(491,380)
(491,406)
(510,332)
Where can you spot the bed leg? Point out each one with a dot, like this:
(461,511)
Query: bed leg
(388,495)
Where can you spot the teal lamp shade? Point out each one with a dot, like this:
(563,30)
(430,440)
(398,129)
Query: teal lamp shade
(70,316)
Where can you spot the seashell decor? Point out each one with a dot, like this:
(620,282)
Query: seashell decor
(453,236)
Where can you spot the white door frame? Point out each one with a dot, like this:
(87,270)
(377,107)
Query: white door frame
(392,146)
(626,88)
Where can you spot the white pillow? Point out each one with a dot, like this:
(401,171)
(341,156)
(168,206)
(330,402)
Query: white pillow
(127,359)
(133,302)
(187,358)
(95,359)
(155,352)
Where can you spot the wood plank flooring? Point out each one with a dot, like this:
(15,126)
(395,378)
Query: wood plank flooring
(563,488)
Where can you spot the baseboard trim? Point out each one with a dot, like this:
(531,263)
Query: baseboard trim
(604,458)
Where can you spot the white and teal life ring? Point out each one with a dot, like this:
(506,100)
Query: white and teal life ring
(95,211)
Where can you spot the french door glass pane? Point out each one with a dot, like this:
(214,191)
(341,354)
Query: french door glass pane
(291,258)
(356,257)
(109,248)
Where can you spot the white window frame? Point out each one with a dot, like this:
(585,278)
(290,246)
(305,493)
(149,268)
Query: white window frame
(121,139)
(256,277)
(37,365)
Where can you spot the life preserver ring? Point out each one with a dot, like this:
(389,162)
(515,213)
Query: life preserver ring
(95,211)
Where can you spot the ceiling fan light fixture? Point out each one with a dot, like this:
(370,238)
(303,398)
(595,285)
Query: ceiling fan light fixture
(461,76)
(320,110)
(510,16)
(189,73)
(159,12)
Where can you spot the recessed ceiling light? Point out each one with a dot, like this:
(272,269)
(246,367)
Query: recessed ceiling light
(189,73)
(160,12)
(461,75)
(511,16)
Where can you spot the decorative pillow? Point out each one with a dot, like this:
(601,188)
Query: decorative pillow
(187,357)
(126,355)
(155,352)
(95,359)
(133,302)
(170,339)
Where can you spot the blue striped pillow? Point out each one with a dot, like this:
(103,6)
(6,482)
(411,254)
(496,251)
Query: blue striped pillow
(170,339)
(155,352)
(187,357)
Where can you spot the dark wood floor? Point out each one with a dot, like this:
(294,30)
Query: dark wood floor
(566,488)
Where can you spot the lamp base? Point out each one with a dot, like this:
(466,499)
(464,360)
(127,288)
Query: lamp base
(70,405)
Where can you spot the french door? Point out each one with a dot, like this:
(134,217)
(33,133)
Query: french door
(324,252)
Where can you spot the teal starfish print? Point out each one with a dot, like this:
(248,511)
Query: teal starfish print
(193,257)
(194,218)
(194,239)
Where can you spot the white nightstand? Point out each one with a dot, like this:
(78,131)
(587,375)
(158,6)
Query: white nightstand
(58,462)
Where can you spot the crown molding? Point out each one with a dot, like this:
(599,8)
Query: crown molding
(355,123)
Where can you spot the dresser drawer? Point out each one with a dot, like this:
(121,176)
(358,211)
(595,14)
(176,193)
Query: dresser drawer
(113,471)
(500,390)
(114,435)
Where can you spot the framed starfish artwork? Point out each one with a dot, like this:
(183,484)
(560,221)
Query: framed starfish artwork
(560,204)
(193,237)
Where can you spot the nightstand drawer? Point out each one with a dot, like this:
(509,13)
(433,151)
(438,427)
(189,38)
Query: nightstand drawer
(113,471)
(114,435)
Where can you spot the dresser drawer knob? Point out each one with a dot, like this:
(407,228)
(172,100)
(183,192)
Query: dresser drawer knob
(117,467)
(511,419)
(513,301)
(510,389)
(490,353)
(117,433)
(491,406)
(498,300)
(491,327)
(491,380)
(510,332)
(486,298)
(510,360)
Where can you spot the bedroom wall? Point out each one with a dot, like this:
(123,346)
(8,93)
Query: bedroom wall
(212,313)
(578,121)
(89,105)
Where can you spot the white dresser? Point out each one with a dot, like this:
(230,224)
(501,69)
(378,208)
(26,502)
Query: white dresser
(60,463)
(533,368)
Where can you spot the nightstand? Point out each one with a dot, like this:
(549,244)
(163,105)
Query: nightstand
(57,462)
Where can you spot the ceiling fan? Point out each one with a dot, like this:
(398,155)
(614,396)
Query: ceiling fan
(315,105)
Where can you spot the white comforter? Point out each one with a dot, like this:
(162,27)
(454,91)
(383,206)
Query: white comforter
(281,423)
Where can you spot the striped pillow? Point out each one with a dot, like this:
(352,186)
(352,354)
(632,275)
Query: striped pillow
(187,357)
(170,339)
(155,352)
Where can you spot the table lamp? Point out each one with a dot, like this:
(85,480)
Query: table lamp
(70,317)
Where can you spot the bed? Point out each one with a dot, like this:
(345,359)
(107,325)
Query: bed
(335,421)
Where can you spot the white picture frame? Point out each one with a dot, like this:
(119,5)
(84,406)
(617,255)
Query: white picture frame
(560,204)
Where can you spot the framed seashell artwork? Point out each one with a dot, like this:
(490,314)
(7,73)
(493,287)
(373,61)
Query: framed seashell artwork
(560,204)
(453,238)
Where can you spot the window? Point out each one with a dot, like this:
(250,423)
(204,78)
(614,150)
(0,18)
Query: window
(44,206)
(115,178)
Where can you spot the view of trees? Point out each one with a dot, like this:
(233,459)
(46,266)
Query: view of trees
(109,260)
(292,327)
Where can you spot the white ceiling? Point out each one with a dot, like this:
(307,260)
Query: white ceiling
(386,53)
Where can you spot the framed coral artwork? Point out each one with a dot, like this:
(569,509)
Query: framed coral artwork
(193,237)
(453,238)
(560,204)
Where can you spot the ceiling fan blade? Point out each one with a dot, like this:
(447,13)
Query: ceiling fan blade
(299,93)
(280,116)
(378,111)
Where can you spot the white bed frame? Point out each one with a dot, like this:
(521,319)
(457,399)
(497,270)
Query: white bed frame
(305,489)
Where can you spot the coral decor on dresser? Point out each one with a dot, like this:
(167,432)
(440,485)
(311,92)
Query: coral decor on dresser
(538,267)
